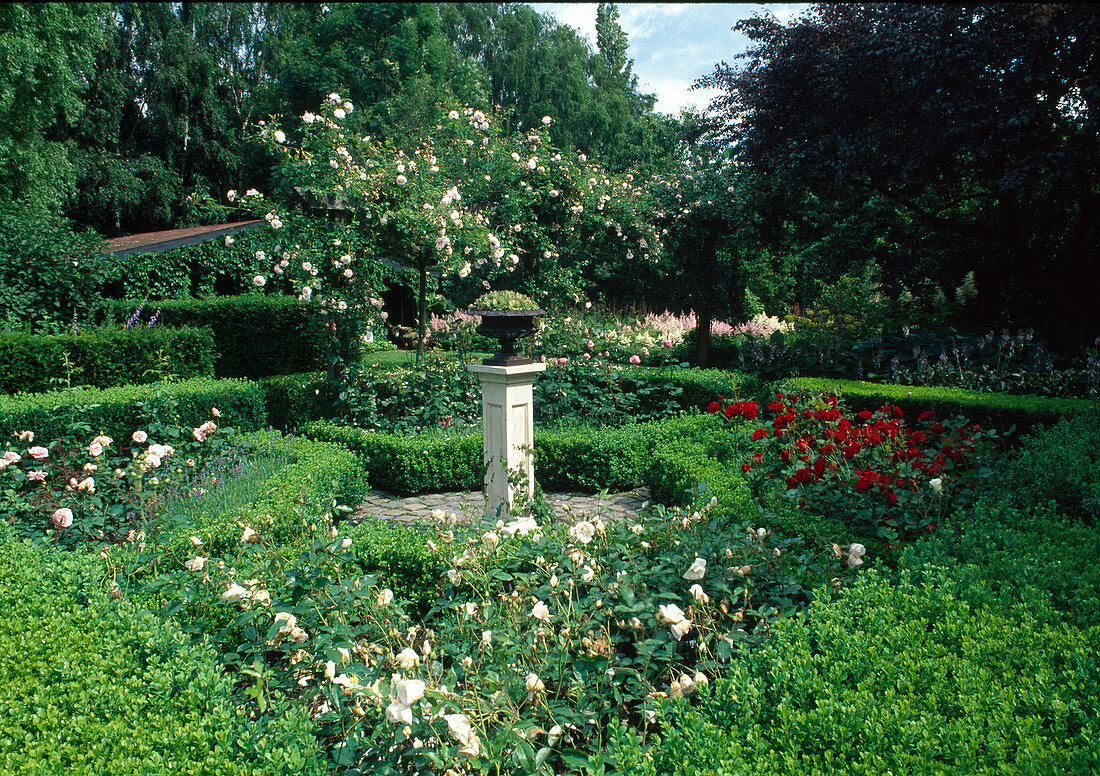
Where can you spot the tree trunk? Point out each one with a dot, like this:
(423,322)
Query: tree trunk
(704,314)
(422,313)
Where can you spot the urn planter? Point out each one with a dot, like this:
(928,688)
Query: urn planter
(506,327)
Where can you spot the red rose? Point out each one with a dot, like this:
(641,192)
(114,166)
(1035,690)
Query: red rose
(776,406)
(891,497)
(898,413)
(832,414)
(926,416)
(865,415)
(746,468)
(759,434)
(851,450)
(749,410)
(713,407)
(730,411)
(863,485)
(792,483)
(785,455)
(819,467)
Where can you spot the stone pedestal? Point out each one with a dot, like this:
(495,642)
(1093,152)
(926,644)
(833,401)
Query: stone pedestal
(509,431)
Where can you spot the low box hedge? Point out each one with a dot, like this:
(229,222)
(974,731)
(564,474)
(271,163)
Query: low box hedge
(565,458)
(103,358)
(292,500)
(254,335)
(886,678)
(993,410)
(119,411)
(95,686)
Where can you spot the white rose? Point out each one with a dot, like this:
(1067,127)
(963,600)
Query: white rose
(936,484)
(697,570)
(583,532)
(408,659)
(698,593)
(195,563)
(540,611)
(409,691)
(384,597)
(250,536)
(280,137)
(234,594)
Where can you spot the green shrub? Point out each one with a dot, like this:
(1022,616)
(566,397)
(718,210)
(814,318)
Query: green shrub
(1060,464)
(49,273)
(194,270)
(117,412)
(903,678)
(587,459)
(294,400)
(286,507)
(431,462)
(992,410)
(95,686)
(254,336)
(103,358)
(400,558)
(1001,553)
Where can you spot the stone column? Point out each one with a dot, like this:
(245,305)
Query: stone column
(508,436)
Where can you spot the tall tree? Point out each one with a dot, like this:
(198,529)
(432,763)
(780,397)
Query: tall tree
(47,49)
(978,121)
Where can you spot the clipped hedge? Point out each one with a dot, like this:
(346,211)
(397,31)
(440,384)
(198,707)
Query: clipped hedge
(205,269)
(291,501)
(565,458)
(432,462)
(400,558)
(119,411)
(995,410)
(254,335)
(892,678)
(95,686)
(104,358)
(1060,463)
(295,400)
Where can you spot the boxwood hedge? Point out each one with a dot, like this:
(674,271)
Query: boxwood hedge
(97,686)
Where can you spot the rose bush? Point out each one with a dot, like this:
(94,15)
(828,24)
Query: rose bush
(100,490)
(872,468)
(540,633)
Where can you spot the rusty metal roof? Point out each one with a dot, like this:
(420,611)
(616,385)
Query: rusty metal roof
(166,240)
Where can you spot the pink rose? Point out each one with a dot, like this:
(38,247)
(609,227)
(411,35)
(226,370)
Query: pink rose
(140,437)
(215,412)
(11,456)
(63,518)
(36,476)
(198,434)
(25,436)
(38,453)
(635,360)
(95,449)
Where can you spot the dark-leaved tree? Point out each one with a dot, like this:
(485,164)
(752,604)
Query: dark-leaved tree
(978,122)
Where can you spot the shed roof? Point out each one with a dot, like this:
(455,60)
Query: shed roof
(166,240)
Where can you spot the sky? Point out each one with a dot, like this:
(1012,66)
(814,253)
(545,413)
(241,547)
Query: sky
(673,44)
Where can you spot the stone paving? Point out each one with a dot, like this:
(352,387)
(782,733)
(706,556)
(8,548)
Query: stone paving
(468,504)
